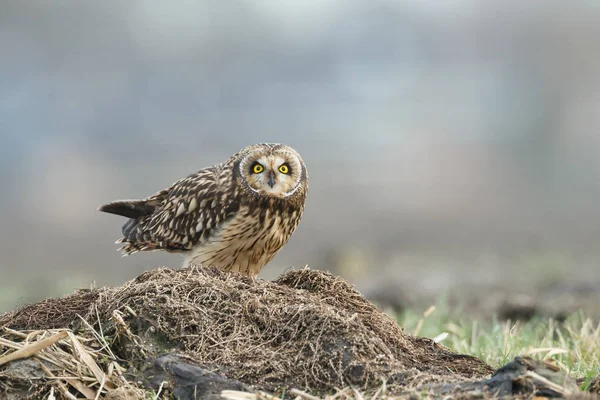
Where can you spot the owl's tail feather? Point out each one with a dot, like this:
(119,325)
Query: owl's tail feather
(129,208)
(131,248)
(134,238)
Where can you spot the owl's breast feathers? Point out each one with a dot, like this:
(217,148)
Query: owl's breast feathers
(250,239)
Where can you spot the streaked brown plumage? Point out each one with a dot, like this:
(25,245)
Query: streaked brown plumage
(235,215)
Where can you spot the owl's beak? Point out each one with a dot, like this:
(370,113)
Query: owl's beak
(271,179)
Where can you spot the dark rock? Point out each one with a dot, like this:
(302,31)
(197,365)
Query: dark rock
(185,380)
(523,376)
(526,375)
(17,379)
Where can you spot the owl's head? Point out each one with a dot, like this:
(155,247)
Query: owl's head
(272,170)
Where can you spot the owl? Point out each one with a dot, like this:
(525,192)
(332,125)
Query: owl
(235,215)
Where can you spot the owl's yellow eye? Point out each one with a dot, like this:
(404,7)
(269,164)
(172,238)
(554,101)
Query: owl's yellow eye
(284,169)
(257,169)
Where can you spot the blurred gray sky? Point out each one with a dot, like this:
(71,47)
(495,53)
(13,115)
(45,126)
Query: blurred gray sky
(447,127)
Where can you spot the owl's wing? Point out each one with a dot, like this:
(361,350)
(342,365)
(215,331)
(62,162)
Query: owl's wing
(190,210)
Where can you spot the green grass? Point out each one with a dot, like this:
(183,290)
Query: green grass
(574,344)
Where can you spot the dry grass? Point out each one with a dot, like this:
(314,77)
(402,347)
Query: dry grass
(58,360)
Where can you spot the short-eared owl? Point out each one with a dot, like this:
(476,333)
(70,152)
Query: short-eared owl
(235,215)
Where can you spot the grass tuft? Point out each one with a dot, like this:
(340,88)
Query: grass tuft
(573,344)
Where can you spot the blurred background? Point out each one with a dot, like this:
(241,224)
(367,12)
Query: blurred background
(452,146)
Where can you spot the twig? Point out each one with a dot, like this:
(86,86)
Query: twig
(303,395)
(339,393)
(16,346)
(130,311)
(99,336)
(426,314)
(551,385)
(16,333)
(30,350)
(10,344)
(99,392)
(61,386)
(80,386)
(237,395)
(88,360)
(159,390)
(357,395)
(381,391)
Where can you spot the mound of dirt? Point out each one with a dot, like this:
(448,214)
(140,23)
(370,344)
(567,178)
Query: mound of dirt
(308,330)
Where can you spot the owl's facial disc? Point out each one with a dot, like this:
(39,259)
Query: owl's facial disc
(276,175)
